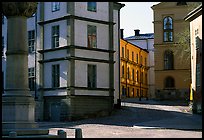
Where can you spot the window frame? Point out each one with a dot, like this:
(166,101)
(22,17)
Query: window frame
(91,36)
(31,78)
(123,56)
(55,36)
(92,6)
(133,74)
(91,76)
(168,32)
(55,6)
(31,41)
(128,73)
(55,76)
(169,82)
(123,71)
(198,75)
(132,56)
(168,60)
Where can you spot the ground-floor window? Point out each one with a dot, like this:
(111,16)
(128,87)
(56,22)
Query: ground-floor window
(31,78)
(55,75)
(123,90)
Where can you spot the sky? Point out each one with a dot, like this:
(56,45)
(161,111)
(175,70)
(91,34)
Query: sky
(136,15)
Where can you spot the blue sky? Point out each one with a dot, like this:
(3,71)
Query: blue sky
(136,15)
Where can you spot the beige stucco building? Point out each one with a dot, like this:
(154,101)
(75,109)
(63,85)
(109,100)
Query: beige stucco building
(195,19)
(172,72)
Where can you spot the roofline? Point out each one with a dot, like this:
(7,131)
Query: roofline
(135,45)
(138,39)
(194,13)
(118,5)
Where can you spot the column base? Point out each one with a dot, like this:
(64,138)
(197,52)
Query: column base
(26,132)
(18,112)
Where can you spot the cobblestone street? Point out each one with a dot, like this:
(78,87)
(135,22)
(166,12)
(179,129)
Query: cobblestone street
(137,119)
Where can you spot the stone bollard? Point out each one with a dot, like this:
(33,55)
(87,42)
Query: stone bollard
(61,134)
(78,133)
(12,134)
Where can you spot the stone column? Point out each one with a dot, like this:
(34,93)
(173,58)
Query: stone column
(18,106)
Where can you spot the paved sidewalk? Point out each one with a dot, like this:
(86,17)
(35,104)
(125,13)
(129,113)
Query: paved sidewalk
(137,119)
(183,119)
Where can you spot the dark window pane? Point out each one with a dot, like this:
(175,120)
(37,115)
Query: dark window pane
(92,76)
(92,6)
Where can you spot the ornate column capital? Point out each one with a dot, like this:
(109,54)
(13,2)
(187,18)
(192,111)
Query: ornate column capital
(26,9)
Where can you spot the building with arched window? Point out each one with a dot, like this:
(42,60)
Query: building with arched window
(172,72)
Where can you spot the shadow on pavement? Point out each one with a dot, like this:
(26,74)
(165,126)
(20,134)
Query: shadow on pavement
(141,117)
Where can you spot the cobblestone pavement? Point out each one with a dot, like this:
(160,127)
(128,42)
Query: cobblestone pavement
(137,119)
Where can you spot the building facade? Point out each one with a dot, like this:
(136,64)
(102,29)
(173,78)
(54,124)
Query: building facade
(133,71)
(172,72)
(146,41)
(73,59)
(195,19)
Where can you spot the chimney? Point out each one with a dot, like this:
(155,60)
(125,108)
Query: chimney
(137,32)
(121,33)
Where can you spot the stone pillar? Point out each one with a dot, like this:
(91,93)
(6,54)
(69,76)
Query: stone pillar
(17,103)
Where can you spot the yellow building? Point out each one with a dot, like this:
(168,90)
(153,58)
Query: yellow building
(133,70)
(172,72)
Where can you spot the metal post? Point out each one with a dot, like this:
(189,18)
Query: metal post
(78,133)
(12,134)
(61,134)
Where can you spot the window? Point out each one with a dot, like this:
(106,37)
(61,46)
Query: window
(92,76)
(128,73)
(133,74)
(31,41)
(132,56)
(197,42)
(141,77)
(55,36)
(137,58)
(123,91)
(127,54)
(91,6)
(55,6)
(31,78)
(169,82)
(122,52)
(2,46)
(197,74)
(137,76)
(196,32)
(55,75)
(168,29)
(168,60)
(92,39)
(123,71)
(128,91)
